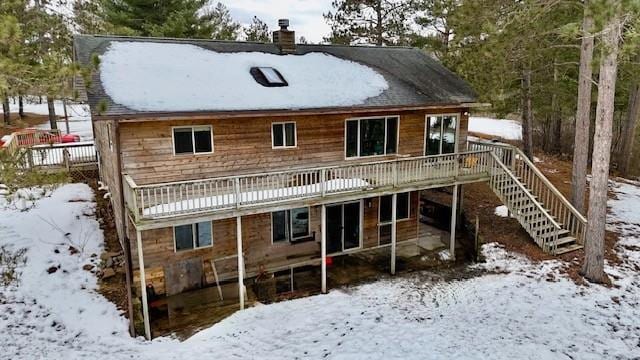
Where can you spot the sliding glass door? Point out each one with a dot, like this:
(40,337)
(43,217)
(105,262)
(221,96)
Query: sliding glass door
(343,227)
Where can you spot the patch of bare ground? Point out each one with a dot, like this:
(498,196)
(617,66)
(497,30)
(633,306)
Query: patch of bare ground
(111,277)
(17,122)
(480,201)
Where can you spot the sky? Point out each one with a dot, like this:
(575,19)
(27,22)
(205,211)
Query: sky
(305,16)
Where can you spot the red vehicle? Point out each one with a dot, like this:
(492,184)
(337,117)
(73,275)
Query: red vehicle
(31,137)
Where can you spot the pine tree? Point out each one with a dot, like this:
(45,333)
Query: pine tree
(168,18)
(377,22)
(583,112)
(434,19)
(223,27)
(257,31)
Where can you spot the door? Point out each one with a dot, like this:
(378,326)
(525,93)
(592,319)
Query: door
(343,227)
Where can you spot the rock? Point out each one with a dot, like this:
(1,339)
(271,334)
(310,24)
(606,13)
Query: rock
(52,269)
(94,255)
(56,251)
(87,267)
(107,273)
(73,250)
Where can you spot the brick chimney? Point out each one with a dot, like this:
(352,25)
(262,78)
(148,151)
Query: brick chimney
(284,38)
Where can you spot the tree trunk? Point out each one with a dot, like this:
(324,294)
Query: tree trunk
(527,115)
(556,120)
(52,113)
(20,106)
(629,129)
(6,113)
(593,268)
(379,30)
(583,119)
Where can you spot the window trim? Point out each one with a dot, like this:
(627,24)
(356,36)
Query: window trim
(193,140)
(426,131)
(385,117)
(109,137)
(284,135)
(292,240)
(193,236)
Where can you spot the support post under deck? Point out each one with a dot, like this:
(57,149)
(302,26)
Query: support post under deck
(143,288)
(394,209)
(323,247)
(454,218)
(240,262)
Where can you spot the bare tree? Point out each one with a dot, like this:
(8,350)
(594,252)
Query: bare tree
(581,142)
(630,125)
(593,268)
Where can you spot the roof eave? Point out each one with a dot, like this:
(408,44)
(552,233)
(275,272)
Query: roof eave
(184,115)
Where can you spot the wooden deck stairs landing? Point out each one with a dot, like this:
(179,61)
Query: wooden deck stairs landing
(547,216)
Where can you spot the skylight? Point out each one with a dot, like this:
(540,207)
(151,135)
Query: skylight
(271,75)
(268,76)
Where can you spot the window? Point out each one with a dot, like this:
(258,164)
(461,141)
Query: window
(193,236)
(192,140)
(384,215)
(440,137)
(283,135)
(290,225)
(267,76)
(370,137)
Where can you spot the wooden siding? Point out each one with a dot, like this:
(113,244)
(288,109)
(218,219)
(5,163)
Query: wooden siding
(158,244)
(243,145)
(109,171)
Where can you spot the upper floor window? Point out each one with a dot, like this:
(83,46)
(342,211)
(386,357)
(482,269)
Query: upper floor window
(371,136)
(440,137)
(290,225)
(193,236)
(283,135)
(193,140)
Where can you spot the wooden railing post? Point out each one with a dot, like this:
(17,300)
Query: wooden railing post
(323,182)
(236,190)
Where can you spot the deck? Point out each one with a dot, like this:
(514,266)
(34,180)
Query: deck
(152,205)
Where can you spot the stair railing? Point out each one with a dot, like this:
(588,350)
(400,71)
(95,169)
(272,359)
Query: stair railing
(558,206)
(501,179)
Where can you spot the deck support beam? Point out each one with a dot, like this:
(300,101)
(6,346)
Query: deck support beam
(323,247)
(240,262)
(454,218)
(143,287)
(394,212)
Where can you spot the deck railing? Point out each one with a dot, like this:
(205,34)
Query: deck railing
(67,156)
(188,197)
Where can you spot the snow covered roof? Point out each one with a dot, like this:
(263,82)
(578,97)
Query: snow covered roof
(148,76)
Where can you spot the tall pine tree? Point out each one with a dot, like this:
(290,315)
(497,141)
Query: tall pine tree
(257,31)
(376,22)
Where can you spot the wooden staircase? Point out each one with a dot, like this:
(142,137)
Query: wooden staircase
(547,216)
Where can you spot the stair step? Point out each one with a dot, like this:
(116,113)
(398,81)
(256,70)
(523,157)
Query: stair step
(561,233)
(566,249)
(564,240)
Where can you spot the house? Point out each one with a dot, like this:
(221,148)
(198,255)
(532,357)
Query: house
(230,160)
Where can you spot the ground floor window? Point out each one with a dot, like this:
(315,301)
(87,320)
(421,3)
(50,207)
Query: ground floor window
(193,236)
(290,225)
(385,212)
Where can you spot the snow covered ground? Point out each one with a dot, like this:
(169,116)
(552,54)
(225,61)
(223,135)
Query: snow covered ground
(506,308)
(503,128)
(79,117)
